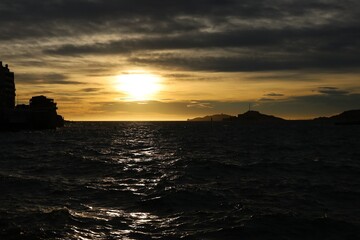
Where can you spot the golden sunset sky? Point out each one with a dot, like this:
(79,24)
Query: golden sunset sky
(173,60)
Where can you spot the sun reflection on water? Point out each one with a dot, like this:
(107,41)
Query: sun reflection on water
(131,223)
(136,167)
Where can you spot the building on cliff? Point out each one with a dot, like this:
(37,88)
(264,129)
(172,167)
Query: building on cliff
(39,114)
(7,92)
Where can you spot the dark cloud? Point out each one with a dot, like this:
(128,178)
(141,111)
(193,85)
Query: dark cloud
(42,92)
(179,75)
(266,99)
(274,95)
(90,90)
(71,99)
(45,78)
(332,91)
(329,88)
(286,76)
(248,62)
(102,11)
(198,40)
(257,49)
(80,16)
(290,40)
(261,35)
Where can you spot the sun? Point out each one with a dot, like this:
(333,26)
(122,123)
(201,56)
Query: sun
(139,86)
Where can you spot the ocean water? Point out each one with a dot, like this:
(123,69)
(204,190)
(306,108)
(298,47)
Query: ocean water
(181,180)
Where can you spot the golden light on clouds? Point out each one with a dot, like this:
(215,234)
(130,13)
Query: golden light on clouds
(139,86)
(106,62)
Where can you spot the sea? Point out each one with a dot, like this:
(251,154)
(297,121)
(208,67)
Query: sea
(181,180)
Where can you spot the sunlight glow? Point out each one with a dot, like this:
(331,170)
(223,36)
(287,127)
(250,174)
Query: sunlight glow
(139,86)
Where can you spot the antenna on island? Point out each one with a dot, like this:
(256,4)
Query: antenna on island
(249,107)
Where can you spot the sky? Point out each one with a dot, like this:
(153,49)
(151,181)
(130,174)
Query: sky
(177,59)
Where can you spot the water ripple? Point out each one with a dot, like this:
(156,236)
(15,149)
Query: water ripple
(174,180)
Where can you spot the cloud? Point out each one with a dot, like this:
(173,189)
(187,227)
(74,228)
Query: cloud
(90,90)
(197,104)
(42,92)
(274,95)
(276,36)
(248,62)
(266,99)
(311,105)
(308,106)
(45,78)
(328,88)
(332,91)
(257,49)
(185,41)
(192,40)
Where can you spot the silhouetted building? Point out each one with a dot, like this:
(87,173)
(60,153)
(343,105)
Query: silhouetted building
(7,91)
(41,103)
(39,114)
(43,112)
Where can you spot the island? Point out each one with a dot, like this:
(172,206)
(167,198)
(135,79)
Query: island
(215,118)
(247,117)
(350,117)
(40,113)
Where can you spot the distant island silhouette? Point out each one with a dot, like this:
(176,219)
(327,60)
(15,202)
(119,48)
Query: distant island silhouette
(344,118)
(216,118)
(40,113)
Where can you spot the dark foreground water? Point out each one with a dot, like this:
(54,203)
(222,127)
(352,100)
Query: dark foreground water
(179,180)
